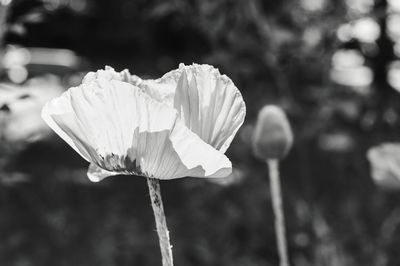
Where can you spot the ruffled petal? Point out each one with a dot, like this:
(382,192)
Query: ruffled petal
(174,153)
(130,133)
(96,174)
(161,90)
(198,159)
(209,103)
(60,117)
(109,74)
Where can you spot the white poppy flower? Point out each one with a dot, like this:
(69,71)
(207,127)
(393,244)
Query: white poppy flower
(385,165)
(179,125)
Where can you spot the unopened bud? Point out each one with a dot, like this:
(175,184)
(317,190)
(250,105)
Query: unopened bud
(385,165)
(273,136)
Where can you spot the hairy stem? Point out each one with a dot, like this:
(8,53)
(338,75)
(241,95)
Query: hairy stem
(161,223)
(273,166)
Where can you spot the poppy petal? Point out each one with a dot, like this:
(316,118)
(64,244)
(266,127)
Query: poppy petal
(209,103)
(108,73)
(96,173)
(60,117)
(130,133)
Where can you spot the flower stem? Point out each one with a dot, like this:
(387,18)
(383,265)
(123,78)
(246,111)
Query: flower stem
(161,223)
(273,166)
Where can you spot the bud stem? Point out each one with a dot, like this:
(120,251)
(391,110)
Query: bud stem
(273,165)
(161,223)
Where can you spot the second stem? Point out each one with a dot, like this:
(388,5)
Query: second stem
(273,166)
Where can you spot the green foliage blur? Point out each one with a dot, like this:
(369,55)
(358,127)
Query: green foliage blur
(277,52)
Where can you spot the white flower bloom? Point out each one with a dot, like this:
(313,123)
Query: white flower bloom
(179,125)
(385,165)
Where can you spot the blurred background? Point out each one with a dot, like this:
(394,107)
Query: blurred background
(334,66)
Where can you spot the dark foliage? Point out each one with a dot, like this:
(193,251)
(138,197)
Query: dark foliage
(51,215)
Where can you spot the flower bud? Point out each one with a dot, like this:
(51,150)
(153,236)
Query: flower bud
(273,137)
(385,165)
